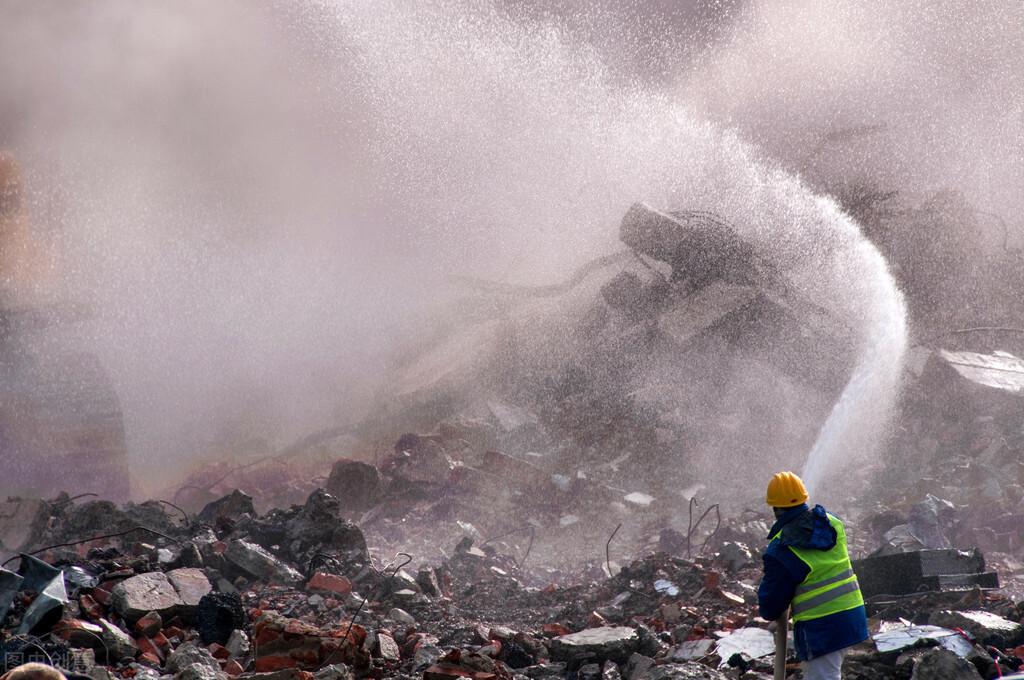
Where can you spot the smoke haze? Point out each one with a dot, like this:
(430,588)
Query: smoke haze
(262,202)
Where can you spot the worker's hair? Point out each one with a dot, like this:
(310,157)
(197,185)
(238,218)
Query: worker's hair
(33,671)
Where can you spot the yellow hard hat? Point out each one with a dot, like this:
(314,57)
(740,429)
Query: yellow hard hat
(786,490)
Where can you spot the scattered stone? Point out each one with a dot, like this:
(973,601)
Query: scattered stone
(427,580)
(401,616)
(734,555)
(691,670)
(118,643)
(638,666)
(338,671)
(189,654)
(238,644)
(942,664)
(387,648)
(198,671)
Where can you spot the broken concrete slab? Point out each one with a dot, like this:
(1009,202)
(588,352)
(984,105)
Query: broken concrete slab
(999,371)
(985,627)
(905,573)
(135,597)
(902,637)
(691,650)
(258,562)
(615,643)
(697,245)
(752,643)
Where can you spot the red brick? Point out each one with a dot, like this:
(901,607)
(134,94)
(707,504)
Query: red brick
(219,651)
(233,668)
(161,641)
(149,625)
(266,634)
(266,664)
(339,585)
(90,607)
(150,659)
(101,595)
(146,645)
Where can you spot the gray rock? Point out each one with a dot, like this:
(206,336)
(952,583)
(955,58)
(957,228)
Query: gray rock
(199,671)
(401,616)
(690,650)
(638,666)
(427,580)
(544,670)
(231,507)
(144,673)
(387,648)
(590,671)
(238,644)
(82,660)
(611,671)
(190,654)
(338,671)
(735,556)
(988,629)
(191,584)
(615,643)
(942,664)
(119,644)
(425,656)
(403,580)
(691,670)
(356,485)
(134,597)
(258,562)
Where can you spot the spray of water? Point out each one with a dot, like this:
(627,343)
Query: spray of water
(526,129)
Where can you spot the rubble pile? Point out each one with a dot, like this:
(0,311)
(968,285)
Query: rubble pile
(536,511)
(301,593)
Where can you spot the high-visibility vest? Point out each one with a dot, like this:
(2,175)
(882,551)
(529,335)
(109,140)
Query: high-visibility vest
(831,586)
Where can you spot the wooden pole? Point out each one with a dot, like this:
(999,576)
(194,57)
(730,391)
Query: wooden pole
(781,630)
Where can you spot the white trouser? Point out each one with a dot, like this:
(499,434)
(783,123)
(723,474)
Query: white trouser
(825,667)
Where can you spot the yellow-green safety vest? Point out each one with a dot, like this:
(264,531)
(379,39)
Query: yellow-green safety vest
(831,586)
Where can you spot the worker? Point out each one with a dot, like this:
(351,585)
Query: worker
(807,572)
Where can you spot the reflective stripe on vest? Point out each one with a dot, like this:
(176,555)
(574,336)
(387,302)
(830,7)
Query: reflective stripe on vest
(830,586)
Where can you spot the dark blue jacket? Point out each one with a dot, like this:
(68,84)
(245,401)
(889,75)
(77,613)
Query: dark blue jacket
(784,571)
